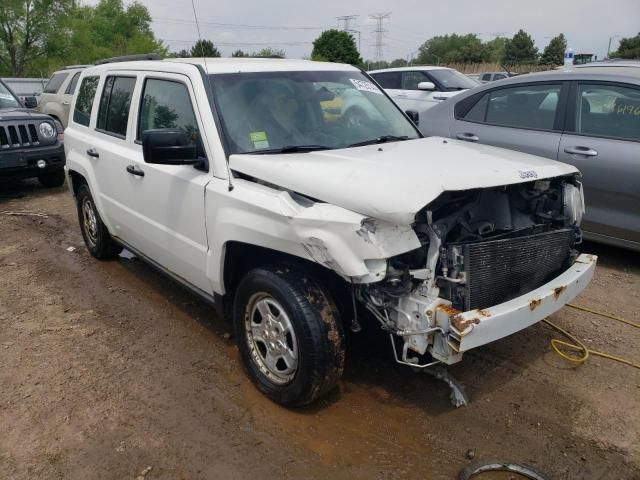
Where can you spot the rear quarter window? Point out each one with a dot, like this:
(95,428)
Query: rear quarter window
(55,82)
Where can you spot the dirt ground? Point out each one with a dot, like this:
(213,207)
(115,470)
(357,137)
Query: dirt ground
(107,368)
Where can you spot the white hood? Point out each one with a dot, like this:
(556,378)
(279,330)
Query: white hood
(393,181)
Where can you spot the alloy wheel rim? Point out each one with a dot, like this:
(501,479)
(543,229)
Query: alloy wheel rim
(90,222)
(271,339)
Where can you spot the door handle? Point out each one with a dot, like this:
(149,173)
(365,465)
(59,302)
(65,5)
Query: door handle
(402,95)
(469,137)
(580,150)
(66,103)
(133,170)
(92,152)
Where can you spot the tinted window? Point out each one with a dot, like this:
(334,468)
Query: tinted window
(609,111)
(113,114)
(451,80)
(410,80)
(486,77)
(84,100)
(388,79)
(55,82)
(526,106)
(478,112)
(499,76)
(71,88)
(166,104)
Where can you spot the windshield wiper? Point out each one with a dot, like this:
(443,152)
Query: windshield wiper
(382,139)
(291,149)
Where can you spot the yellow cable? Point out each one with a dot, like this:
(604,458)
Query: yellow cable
(578,346)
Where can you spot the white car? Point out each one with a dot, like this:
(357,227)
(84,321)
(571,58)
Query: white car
(227,175)
(420,88)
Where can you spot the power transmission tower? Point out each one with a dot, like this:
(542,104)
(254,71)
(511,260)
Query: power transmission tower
(348,27)
(346,22)
(379,32)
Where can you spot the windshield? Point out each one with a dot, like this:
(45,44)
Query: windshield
(452,79)
(7,100)
(303,111)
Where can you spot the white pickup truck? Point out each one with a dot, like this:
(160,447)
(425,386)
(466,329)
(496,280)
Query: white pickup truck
(240,179)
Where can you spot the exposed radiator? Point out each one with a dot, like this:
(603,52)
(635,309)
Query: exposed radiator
(500,270)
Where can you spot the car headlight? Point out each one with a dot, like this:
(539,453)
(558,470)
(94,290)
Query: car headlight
(47,130)
(573,202)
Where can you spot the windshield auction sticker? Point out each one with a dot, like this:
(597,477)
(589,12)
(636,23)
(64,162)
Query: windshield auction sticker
(259,139)
(365,86)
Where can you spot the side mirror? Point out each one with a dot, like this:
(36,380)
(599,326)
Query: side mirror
(414,116)
(30,102)
(169,146)
(426,86)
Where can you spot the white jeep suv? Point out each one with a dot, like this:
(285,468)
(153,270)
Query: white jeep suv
(227,175)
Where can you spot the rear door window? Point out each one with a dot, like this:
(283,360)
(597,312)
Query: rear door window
(524,106)
(55,82)
(388,80)
(115,103)
(611,111)
(84,100)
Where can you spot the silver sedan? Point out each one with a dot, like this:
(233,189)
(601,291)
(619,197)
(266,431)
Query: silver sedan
(588,117)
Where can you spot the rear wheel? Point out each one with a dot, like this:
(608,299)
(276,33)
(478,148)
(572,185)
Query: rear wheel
(55,179)
(95,233)
(289,335)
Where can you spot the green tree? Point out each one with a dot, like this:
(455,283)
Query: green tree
(553,53)
(239,54)
(204,48)
(452,48)
(520,49)
(106,30)
(27,29)
(399,62)
(182,54)
(495,49)
(336,46)
(269,52)
(629,48)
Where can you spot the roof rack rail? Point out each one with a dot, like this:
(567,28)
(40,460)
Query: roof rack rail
(130,58)
(69,67)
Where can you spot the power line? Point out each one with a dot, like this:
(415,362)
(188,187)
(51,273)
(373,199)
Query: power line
(241,44)
(346,26)
(379,32)
(235,25)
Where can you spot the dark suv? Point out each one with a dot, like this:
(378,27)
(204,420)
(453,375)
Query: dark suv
(30,142)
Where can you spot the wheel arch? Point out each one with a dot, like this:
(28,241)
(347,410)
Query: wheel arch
(240,257)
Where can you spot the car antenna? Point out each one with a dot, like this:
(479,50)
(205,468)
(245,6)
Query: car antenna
(506,70)
(204,59)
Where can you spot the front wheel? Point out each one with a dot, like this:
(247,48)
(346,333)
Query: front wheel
(289,335)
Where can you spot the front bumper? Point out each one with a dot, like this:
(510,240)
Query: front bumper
(474,328)
(22,163)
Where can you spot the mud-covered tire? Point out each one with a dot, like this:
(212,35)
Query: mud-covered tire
(95,233)
(50,180)
(314,320)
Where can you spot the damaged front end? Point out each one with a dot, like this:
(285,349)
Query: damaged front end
(491,262)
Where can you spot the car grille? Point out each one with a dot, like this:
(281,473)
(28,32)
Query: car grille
(500,270)
(18,135)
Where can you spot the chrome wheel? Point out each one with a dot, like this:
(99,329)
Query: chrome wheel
(271,339)
(89,221)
